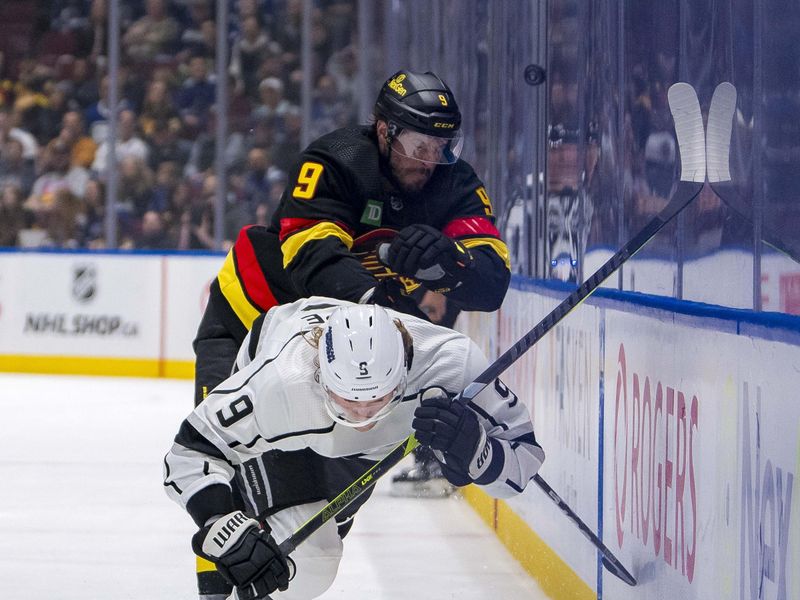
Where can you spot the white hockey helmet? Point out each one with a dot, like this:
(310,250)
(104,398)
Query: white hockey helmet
(361,358)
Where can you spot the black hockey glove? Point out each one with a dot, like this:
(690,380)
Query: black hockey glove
(453,429)
(426,254)
(245,555)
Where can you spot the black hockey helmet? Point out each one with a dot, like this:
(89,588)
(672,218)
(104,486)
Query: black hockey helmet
(419,101)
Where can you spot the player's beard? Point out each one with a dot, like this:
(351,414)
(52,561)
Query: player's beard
(414,178)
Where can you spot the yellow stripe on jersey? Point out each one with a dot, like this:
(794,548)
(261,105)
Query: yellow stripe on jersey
(204,566)
(292,245)
(232,289)
(498,246)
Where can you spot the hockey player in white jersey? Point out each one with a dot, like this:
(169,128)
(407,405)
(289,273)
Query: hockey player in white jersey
(325,388)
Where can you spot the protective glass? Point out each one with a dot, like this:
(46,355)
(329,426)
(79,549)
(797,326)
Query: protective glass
(428,148)
(340,414)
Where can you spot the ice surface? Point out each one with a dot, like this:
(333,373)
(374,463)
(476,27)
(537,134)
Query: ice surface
(83,514)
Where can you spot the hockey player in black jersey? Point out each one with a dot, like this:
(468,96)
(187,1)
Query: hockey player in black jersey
(375,214)
(323,387)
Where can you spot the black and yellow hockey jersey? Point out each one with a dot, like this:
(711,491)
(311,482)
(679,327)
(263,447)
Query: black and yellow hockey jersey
(339,204)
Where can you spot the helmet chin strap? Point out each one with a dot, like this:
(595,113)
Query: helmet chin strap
(391,132)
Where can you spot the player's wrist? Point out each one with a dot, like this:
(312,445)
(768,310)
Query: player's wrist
(211,501)
(487,463)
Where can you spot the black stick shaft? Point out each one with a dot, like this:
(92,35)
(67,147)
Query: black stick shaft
(610,561)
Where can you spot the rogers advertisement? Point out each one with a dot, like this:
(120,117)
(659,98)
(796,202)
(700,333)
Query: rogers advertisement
(702,447)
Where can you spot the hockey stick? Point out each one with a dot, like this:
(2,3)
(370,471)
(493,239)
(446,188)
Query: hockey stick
(691,140)
(718,143)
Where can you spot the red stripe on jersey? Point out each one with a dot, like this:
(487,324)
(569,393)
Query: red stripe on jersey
(382,234)
(250,273)
(290,226)
(469,226)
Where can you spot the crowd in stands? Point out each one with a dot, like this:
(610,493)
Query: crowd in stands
(54,110)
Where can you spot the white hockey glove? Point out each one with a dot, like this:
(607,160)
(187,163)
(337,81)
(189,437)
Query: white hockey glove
(245,555)
(454,430)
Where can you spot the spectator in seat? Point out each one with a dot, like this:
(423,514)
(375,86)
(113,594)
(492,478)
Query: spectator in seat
(257,183)
(197,94)
(9,130)
(343,67)
(15,169)
(152,35)
(154,235)
(85,90)
(249,47)
(129,145)
(49,117)
(328,110)
(92,221)
(57,177)
(166,144)
(135,191)
(167,177)
(290,140)
(98,112)
(191,38)
(157,108)
(13,218)
(272,103)
(73,133)
(57,194)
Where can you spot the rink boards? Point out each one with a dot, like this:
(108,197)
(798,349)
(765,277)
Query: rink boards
(673,430)
(102,313)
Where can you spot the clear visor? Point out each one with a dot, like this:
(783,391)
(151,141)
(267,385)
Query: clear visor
(428,148)
(348,416)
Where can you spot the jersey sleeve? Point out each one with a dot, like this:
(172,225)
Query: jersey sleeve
(473,224)
(516,455)
(320,210)
(220,434)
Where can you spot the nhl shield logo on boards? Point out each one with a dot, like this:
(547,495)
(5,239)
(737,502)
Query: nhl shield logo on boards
(84,282)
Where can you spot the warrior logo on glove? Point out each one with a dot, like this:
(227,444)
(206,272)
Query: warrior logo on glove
(245,555)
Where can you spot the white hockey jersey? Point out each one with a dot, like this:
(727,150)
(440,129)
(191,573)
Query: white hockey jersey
(274,402)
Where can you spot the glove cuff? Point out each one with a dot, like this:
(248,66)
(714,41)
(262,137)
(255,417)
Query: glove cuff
(487,464)
(225,532)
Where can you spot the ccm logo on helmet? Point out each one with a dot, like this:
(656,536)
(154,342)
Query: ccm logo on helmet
(329,346)
(444,125)
(396,84)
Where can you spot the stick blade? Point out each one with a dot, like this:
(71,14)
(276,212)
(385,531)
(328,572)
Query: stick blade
(689,130)
(616,568)
(718,136)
